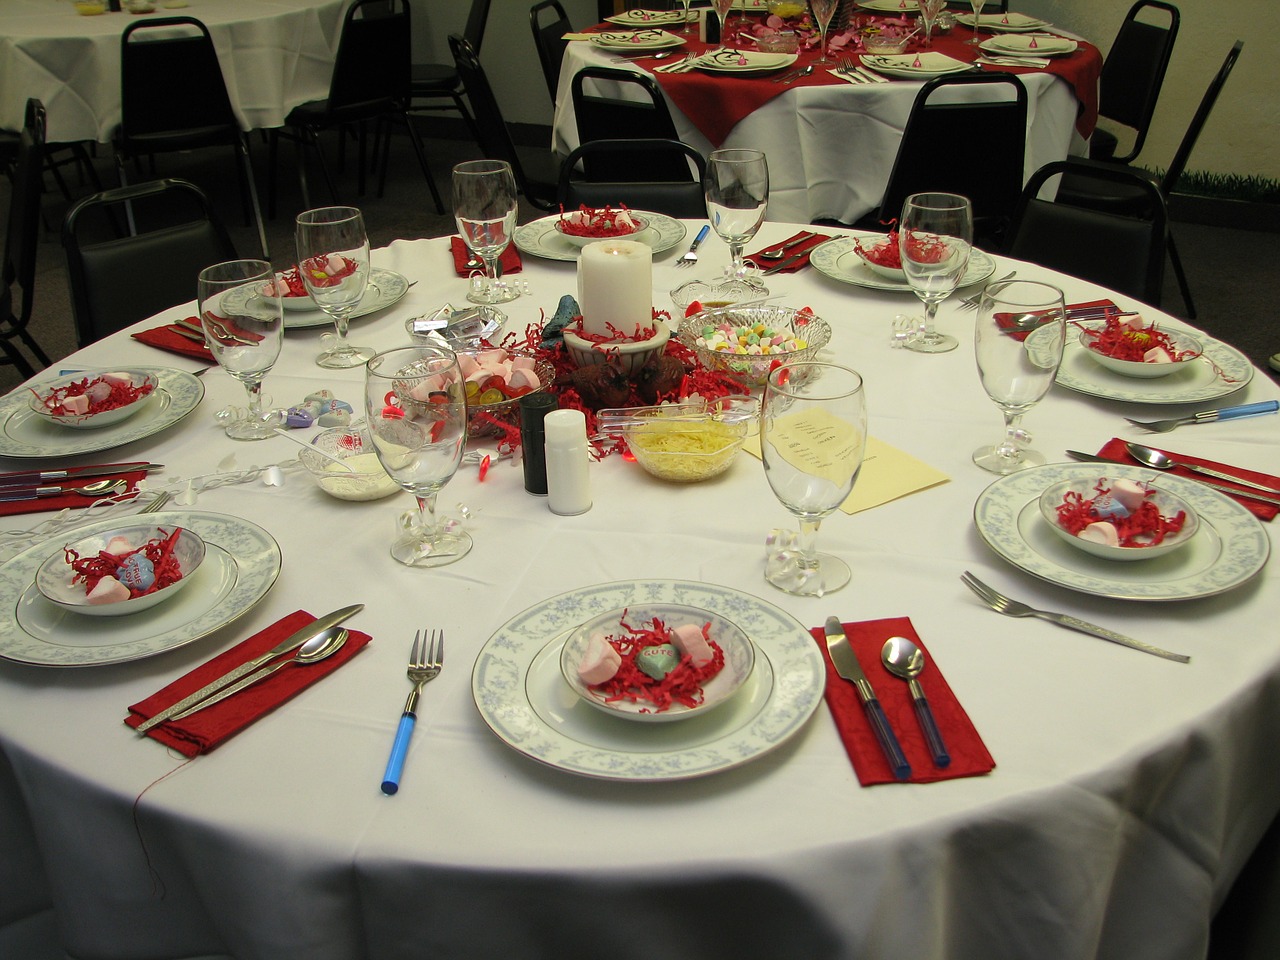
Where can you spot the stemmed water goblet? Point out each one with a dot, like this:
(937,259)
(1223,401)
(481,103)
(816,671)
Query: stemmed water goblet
(722,8)
(485,208)
(688,28)
(977,21)
(935,238)
(737,192)
(812,439)
(243,323)
(929,10)
(1018,341)
(823,11)
(416,409)
(333,261)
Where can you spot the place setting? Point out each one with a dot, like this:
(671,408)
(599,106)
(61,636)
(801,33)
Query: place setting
(651,39)
(649,18)
(550,238)
(1029,45)
(1003,22)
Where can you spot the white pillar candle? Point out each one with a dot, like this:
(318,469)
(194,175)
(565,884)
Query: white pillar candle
(615,287)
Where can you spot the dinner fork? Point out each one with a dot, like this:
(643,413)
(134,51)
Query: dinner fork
(971,303)
(425,663)
(998,602)
(1208,416)
(691,257)
(155,505)
(847,69)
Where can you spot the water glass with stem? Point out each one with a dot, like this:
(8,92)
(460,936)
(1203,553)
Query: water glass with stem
(1018,341)
(333,260)
(812,439)
(823,11)
(688,27)
(977,6)
(935,238)
(929,10)
(737,192)
(243,323)
(485,208)
(416,410)
(722,8)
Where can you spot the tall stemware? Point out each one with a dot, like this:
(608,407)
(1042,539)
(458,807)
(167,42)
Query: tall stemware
(929,10)
(935,238)
(722,8)
(416,409)
(484,208)
(737,192)
(823,11)
(688,27)
(243,323)
(812,439)
(333,259)
(977,21)
(1018,340)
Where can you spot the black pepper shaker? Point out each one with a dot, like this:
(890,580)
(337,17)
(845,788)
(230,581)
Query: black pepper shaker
(533,408)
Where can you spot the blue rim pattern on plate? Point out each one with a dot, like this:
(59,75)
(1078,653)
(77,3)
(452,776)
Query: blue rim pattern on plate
(839,260)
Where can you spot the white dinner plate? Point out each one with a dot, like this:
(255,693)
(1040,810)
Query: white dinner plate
(523,696)
(931,64)
(241,564)
(385,288)
(540,238)
(25,434)
(1220,370)
(839,260)
(1016,45)
(745,61)
(1005,22)
(649,18)
(901,7)
(653,39)
(1229,548)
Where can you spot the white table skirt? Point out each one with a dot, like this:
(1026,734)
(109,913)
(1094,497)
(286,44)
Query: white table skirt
(831,148)
(1127,793)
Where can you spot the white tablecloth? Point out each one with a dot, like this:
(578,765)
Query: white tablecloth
(275,54)
(1128,789)
(831,148)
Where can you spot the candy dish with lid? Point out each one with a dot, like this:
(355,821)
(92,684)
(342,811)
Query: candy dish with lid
(1118,519)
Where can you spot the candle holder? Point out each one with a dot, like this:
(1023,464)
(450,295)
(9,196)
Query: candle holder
(628,356)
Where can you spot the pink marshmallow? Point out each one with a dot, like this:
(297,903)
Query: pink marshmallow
(467,365)
(524,378)
(688,639)
(76,405)
(1129,493)
(108,590)
(1157,355)
(600,662)
(1101,532)
(1133,321)
(118,546)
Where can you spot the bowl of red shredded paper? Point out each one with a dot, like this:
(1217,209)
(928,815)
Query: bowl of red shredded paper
(1128,345)
(1118,519)
(709,659)
(881,256)
(589,224)
(89,400)
(121,571)
(292,290)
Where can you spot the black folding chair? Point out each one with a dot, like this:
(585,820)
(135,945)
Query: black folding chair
(676,198)
(433,82)
(1132,75)
(548,39)
(634,108)
(18,266)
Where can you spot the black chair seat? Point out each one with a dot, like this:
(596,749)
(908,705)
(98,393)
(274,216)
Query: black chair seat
(323,113)
(426,78)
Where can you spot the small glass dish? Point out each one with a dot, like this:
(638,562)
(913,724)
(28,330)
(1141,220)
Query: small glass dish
(715,293)
(1141,369)
(1167,503)
(139,6)
(684,442)
(753,368)
(787,9)
(139,379)
(489,403)
(739,659)
(881,45)
(784,41)
(362,477)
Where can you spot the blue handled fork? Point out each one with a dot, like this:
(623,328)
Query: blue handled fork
(425,663)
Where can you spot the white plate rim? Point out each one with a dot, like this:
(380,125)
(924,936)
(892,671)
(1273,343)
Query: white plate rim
(529,237)
(256,572)
(1060,47)
(782,61)
(498,684)
(389,288)
(1000,508)
(656,17)
(869,60)
(825,258)
(658,43)
(1032,23)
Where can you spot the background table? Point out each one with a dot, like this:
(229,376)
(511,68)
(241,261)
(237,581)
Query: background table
(1128,789)
(275,54)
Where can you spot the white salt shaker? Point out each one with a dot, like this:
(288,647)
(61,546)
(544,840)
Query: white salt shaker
(568,486)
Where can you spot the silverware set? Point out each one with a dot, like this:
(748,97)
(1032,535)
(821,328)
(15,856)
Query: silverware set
(426,660)
(683,65)
(858,74)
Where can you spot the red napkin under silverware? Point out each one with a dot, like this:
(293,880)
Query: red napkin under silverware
(73,500)
(1115,449)
(210,727)
(799,248)
(969,756)
(168,338)
(510,258)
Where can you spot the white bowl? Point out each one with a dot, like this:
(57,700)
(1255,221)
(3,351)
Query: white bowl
(54,578)
(889,273)
(739,659)
(1168,504)
(1137,368)
(627,355)
(353,445)
(91,421)
(641,225)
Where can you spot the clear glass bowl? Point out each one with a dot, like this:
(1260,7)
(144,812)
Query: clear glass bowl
(715,293)
(754,369)
(362,479)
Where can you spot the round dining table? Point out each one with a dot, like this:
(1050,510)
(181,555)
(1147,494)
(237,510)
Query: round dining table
(275,54)
(1127,790)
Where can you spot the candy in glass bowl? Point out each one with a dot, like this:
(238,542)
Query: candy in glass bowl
(685,442)
(89,400)
(1126,344)
(587,224)
(495,380)
(750,340)
(1118,519)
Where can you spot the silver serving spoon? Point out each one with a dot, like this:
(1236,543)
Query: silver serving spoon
(777,253)
(100,488)
(1159,460)
(904,659)
(803,73)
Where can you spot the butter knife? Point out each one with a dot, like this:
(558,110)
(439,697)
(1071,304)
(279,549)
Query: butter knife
(1222,487)
(292,643)
(847,665)
(34,478)
(789,262)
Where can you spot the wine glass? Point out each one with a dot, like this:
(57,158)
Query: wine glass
(722,8)
(823,11)
(243,323)
(484,208)
(737,191)
(929,10)
(333,260)
(688,28)
(1018,340)
(812,439)
(416,409)
(935,237)
(977,21)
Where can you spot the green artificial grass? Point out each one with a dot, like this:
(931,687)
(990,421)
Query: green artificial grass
(1229,186)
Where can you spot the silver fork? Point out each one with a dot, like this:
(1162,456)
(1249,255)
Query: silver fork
(425,663)
(845,69)
(154,506)
(691,257)
(1208,416)
(971,303)
(998,602)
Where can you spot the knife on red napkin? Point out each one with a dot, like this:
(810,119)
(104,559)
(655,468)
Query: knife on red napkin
(131,473)
(176,340)
(797,257)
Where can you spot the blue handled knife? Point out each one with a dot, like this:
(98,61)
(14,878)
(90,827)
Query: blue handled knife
(847,665)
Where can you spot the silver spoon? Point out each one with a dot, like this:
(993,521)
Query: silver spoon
(904,659)
(1159,460)
(779,252)
(803,73)
(100,488)
(322,645)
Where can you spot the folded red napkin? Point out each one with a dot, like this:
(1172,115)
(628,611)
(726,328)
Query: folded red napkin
(73,500)
(206,729)
(969,756)
(462,253)
(168,338)
(1114,449)
(799,248)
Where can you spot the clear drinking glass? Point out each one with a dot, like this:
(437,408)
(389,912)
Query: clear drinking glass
(737,191)
(1018,340)
(243,324)
(722,8)
(935,238)
(416,409)
(333,260)
(688,27)
(929,10)
(977,20)
(484,208)
(823,11)
(812,438)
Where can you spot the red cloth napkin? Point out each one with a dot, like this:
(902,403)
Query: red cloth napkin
(73,500)
(1114,449)
(799,248)
(168,338)
(510,258)
(969,756)
(206,729)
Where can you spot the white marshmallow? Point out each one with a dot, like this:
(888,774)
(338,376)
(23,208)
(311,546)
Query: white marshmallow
(76,405)
(688,639)
(1101,532)
(1157,355)
(108,590)
(600,662)
(1129,493)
